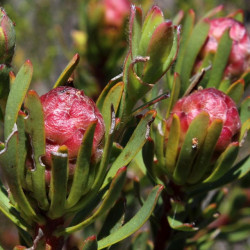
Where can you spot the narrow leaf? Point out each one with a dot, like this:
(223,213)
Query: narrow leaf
(34,126)
(58,185)
(220,60)
(81,174)
(67,72)
(16,96)
(90,243)
(136,222)
(236,90)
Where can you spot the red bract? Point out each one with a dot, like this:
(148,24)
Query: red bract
(239,58)
(67,115)
(218,105)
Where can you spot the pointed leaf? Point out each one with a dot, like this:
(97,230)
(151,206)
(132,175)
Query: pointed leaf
(135,26)
(197,130)
(67,72)
(58,185)
(81,174)
(245,127)
(133,146)
(202,162)
(224,163)
(136,222)
(16,96)
(220,60)
(34,126)
(152,20)
(162,50)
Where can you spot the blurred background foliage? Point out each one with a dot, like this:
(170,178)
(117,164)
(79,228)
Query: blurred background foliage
(50,32)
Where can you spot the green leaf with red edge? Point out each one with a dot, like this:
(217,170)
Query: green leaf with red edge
(67,72)
(83,164)
(16,97)
(220,60)
(134,145)
(136,222)
(162,50)
(215,11)
(9,159)
(197,130)
(173,144)
(90,243)
(203,159)
(34,126)
(111,196)
(186,31)
(58,185)
(236,90)
(152,20)
(135,27)
(238,15)
(224,163)
(194,44)
(180,226)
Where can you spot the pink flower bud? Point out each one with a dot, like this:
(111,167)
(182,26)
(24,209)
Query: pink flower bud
(218,105)
(116,11)
(7,38)
(67,115)
(239,58)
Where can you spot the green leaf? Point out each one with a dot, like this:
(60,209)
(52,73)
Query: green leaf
(186,31)
(162,50)
(236,90)
(135,27)
(112,194)
(34,126)
(245,127)
(10,211)
(140,241)
(58,185)
(246,77)
(203,160)
(220,60)
(180,226)
(194,44)
(90,243)
(134,145)
(152,20)
(224,163)
(136,222)
(16,96)
(245,109)
(114,219)
(174,94)
(83,164)
(173,144)
(113,97)
(67,72)
(197,130)
(9,159)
